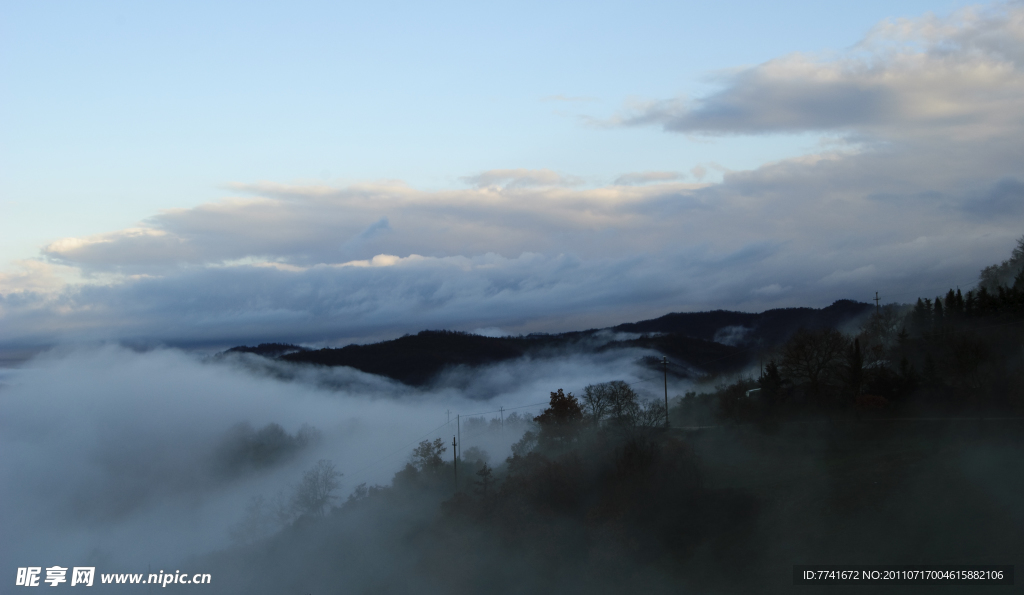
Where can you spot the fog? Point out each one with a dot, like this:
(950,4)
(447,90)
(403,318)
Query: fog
(120,459)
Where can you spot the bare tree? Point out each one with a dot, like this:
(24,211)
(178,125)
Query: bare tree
(595,401)
(650,414)
(316,490)
(814,358)
(614,401)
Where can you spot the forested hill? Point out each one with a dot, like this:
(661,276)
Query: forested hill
(770,327)
(708,341)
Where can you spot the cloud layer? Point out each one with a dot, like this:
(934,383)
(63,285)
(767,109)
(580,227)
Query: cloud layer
(112,454)
(919,191)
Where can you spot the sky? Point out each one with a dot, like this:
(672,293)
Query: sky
(207,174)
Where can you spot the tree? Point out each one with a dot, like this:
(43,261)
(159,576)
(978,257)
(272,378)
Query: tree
(922,316)
(855,368)
(650,414)
(315,492)
(560,422)
(813,358)
(771,383)
(613,401)
(1002,275)
(483,485)
(428,454)
(596,401)
(953,305)
(881,333)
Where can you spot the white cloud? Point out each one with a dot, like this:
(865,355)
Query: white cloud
(521,178)
(863,273)
(112,454)
(646,177)
(771,290)
(958,78)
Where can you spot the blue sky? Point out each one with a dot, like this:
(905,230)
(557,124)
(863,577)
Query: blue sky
(151,148)
(112,111)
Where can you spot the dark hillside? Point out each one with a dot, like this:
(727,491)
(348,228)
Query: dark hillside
(771,326)
(268,349)
(707,356)
(415,359)
(688,339)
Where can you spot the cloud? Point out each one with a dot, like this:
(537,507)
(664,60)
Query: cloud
(520,178)
(1004,199)
(317,225)
(37,277)
(771,290)
(376,229)
(113,453)
(646,177)
(893,208)
(959,77)
(861,273)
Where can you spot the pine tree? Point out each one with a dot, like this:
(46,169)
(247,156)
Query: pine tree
(922,316)
(949,305)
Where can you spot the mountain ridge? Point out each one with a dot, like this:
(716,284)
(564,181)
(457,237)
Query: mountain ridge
(694,338)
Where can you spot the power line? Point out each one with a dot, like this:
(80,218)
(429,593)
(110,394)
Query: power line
(506,409)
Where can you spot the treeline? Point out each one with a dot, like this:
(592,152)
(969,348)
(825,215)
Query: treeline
(770,327)
(954,354)
(599,497)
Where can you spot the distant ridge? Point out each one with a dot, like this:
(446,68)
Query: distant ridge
(771,327)
(269,349)
(715,341)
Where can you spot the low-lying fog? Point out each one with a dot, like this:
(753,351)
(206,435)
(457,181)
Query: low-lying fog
(129,461)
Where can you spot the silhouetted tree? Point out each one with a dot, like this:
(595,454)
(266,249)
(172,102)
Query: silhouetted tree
(427,456)
(613,401)
(560,422)
(922,316)
(771,383)
(855,368)
(813,358)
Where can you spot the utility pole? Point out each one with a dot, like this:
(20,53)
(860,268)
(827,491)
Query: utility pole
(664,364)
(876,303)
(760,360)
(455,462)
